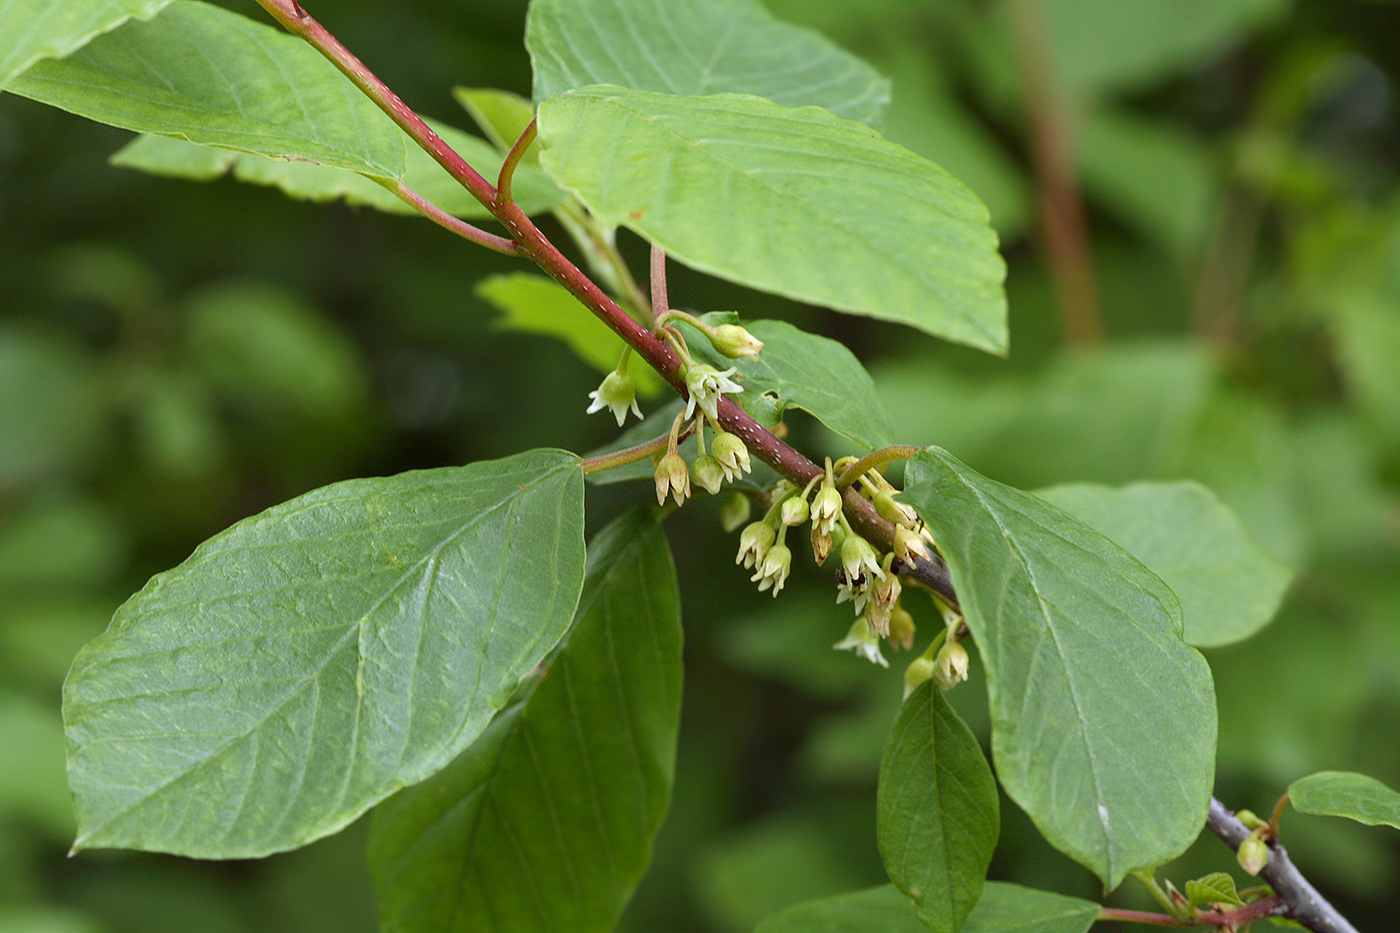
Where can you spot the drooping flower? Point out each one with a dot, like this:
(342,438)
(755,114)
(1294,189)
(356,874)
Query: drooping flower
(774,568)
(859,560)
(863,642)
(731,453)
(754,542)
(672,476)
(826,507)
(705,385)
(617,392)
(950,667)
(707,473)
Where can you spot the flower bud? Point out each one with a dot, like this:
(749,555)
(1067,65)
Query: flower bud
(902,628)
(734,341)
(950,667)
(918,671)
(794,511)
(896,513)
(826,507)
(1253,855)
(707,473)
(734,511)
(673,476)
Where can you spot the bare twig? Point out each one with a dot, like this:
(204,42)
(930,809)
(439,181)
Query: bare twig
(1301,900)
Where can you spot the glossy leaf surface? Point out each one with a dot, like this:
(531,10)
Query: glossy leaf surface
(313,659)
(201,73)
(1343,793)
(1228,587)
(1091,688)
(547,822)
(35,29)
(937,811)
(697,47)
(740,187)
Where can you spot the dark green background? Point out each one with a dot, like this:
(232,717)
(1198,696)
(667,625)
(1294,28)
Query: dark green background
(133,425)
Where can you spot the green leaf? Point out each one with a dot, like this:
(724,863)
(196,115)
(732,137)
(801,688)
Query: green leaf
(694,47)
(1216,888)
(539,305)
(204,74)
(34,29)
(740,187)
(1345,793)
(311,660)
(547,822)
(801,370)
(1009,908)
(1228,587)
(1004,908)
(309,181)
(501,115)
(884,908)
(937,811)
(1090,686)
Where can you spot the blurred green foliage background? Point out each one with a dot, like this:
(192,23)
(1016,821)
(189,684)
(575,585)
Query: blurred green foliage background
(176,356)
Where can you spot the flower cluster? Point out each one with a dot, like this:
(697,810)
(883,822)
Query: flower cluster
(866,578)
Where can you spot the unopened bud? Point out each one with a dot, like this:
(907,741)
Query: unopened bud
(795,511)
(734,511)
(902,628)
(1253,855)
(734,341)
(918,671)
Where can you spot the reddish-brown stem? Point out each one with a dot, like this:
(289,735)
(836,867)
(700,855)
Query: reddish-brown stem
(445,220)
(1063,225)
(530,242)
(1272,830)
(1140,916)
(300,23)
(517,152)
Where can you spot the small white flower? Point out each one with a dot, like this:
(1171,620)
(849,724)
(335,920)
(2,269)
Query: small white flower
(617,392)
(863,642)
(731,453)
(826,507)
(754,542)
(705,385)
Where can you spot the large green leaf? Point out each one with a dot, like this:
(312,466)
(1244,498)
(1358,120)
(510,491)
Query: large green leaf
(310,181)
(1103,719)
(311,660)
(35,29)
(741,187)
(697,47)
(1004,908)
(884,908)
(1228,587)
(937,811)
(547,822)
(1343,793)
(801,370)
(204,74)
(1009,908)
